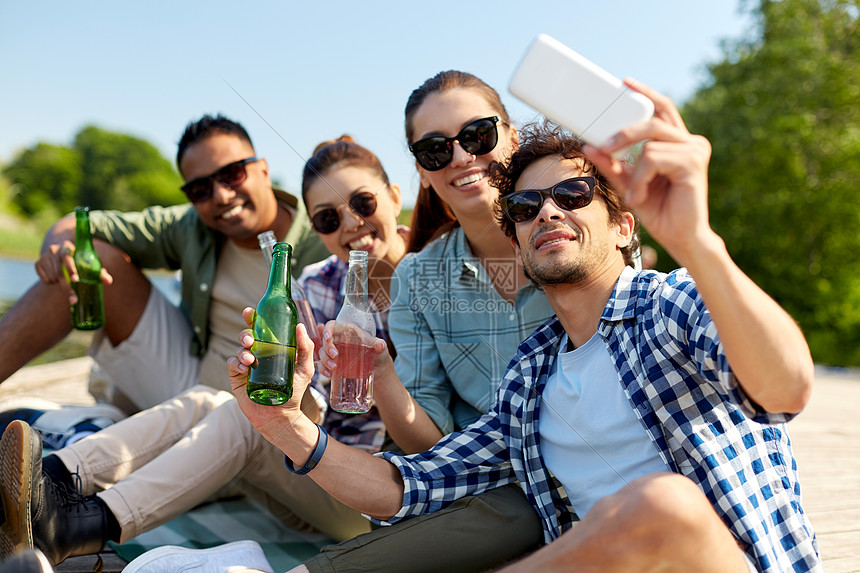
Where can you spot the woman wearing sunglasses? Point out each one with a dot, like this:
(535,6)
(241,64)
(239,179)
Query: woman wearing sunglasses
(460,307)
(352,206)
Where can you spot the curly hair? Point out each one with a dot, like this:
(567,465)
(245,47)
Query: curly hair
(546,139)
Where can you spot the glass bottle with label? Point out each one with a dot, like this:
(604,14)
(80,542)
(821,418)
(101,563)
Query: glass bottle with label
(270,381)
(351,388)
(89,312)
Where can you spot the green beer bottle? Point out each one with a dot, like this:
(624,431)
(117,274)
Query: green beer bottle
(271,378)
(89,312)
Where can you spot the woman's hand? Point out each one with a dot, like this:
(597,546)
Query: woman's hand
(328,355)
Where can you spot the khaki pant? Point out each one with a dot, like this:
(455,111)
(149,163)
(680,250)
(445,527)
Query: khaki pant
(161,462)
(476,533)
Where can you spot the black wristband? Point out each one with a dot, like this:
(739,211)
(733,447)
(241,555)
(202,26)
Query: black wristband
(315,458)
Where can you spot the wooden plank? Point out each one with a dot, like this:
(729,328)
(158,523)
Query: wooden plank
(111,563)
(826,441)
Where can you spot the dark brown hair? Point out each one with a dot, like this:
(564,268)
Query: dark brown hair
(343,151)
(546,139)
(431,216)
(206,127)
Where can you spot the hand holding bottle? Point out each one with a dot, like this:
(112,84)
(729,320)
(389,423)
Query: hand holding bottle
(265,418)
(56,263)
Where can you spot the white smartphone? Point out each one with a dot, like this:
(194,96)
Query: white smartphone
(576,93)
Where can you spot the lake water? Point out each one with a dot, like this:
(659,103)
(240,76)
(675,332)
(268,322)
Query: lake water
(16,276)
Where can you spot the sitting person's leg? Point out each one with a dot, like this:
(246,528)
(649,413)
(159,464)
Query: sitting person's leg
(297,501)
(222,450)
(475,533)
(659,521)
(111,455)
(148,476)
(148,458)
(47,305)
(152,364)
(209,457)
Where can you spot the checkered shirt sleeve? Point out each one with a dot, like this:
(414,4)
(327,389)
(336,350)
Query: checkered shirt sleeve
(464,463)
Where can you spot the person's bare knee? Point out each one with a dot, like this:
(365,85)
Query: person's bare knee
(657,522)
(662,518)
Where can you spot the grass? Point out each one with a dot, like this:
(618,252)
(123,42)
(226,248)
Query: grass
(19,241)
(20,237)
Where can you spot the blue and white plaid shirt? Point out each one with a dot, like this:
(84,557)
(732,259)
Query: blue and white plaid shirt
(671,364)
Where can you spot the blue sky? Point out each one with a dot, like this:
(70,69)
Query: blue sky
(312,71)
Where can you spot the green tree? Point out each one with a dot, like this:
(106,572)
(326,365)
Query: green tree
(124,172)
(45,177)
(782,111)
(102,169)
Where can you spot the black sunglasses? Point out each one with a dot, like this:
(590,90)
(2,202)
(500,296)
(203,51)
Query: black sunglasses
(328,220)
(570,194)
(477,138)
(232,174)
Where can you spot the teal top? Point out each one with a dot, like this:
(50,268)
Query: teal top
(453,332)
(175,238)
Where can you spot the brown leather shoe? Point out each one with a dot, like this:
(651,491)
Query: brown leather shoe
(39,512)
(20,468)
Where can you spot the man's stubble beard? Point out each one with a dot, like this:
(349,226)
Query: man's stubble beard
(569,271)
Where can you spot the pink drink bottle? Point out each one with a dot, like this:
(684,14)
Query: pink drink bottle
(351,388)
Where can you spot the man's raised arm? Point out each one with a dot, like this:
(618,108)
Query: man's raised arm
(668,189)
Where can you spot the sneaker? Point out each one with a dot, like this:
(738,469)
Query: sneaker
(219,559)
(39,512)
(27,561)
(59,426)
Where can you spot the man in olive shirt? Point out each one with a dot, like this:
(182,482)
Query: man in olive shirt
(150,350)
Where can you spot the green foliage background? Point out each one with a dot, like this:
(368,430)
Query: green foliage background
(102,169)
(782,112)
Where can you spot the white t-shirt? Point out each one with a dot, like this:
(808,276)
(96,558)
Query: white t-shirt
(240,280)
(590,437)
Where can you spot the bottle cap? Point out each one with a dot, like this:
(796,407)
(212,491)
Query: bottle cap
(267,238)
(357,256)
